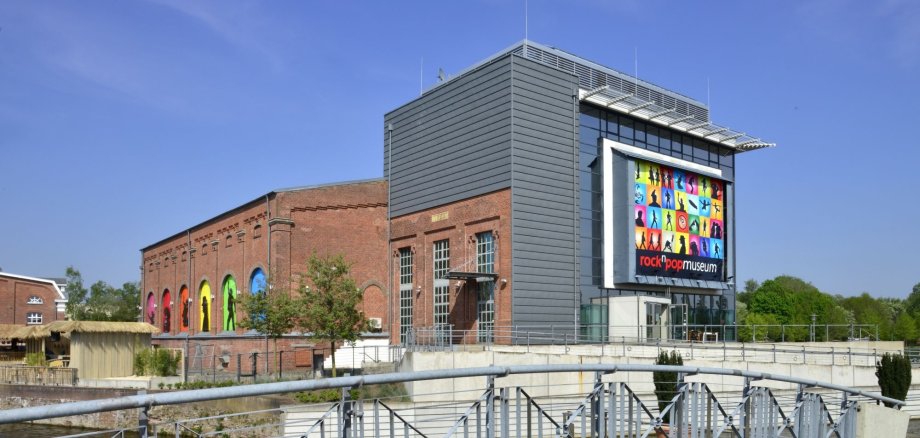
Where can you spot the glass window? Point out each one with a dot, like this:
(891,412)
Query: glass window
(33,318)
(441,285)
(35,300)
(405,293)
(485,262)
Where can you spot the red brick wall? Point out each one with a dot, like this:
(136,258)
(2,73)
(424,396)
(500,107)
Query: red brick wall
(347,219)
(459,222)
(14,295)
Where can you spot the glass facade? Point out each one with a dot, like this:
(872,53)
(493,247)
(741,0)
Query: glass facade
(598,123)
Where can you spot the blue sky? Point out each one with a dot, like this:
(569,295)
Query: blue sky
(124,122)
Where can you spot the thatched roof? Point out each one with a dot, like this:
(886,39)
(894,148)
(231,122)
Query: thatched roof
(67,327)
(7,330)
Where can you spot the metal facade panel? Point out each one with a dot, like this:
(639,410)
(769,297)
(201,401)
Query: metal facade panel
(452,143)
(544,197)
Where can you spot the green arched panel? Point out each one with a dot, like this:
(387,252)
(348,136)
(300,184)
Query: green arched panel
(230,302)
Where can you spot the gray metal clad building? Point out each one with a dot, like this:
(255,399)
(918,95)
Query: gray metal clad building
(573,142)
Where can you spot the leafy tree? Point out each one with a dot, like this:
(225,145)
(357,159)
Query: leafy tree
(893,372)
(270,311)
(101,302)
(868,310)
(330,308)
(905,328)
(76,295)
(107,303)
(912,303)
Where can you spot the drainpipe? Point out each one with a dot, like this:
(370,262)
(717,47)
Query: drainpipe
(575,206)
(268,232)
(389,254)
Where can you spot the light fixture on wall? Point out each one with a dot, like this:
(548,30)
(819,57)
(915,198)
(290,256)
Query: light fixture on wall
(504,281)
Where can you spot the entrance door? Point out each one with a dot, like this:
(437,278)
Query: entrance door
(655,321)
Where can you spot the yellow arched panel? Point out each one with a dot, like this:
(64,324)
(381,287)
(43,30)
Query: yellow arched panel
(205,306)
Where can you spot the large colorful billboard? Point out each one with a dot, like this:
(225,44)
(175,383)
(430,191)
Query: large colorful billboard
(679,223)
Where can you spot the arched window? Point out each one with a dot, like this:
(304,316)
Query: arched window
(167,312)
(185,311)
(230,299)
(151,309)
(257,282)
(204,315)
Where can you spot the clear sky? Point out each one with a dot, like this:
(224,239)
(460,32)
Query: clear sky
(122,123)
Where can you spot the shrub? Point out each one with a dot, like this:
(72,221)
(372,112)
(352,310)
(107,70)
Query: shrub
(156,362)
(893,372)
(666,381)
(35,359)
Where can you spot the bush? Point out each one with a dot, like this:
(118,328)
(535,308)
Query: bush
(666,381)
(893,372)
(35,359)
(156,362)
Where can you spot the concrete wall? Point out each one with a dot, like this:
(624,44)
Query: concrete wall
(829,369)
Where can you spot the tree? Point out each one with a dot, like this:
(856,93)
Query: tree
(102,302)
(893,372)
(76,295)
(905,328)
(912,303)
(330,307)
(270,311)
(666,381)
(106,303)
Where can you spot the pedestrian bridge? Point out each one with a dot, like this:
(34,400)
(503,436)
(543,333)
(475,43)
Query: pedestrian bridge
(530,401)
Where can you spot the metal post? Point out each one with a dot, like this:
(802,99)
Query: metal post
(745,421)
(506,427)
(238,365)
(377,418)
(143,420)
(347,412)
(280,362)
(490,408)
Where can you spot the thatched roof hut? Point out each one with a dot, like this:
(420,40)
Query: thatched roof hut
(99,349)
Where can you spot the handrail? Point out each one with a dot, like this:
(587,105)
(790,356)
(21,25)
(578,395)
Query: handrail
(190,396)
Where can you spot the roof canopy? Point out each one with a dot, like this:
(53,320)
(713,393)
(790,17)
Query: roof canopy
(631,104)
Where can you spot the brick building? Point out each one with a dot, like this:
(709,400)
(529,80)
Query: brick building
(30,300)
(191,281)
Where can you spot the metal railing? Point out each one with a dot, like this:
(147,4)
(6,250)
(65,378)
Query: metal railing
(448,334)
(561,341)
(610,409)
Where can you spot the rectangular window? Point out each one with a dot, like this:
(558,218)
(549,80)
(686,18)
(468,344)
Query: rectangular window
(441,288)
(33,318)
(405,293)
(485,263)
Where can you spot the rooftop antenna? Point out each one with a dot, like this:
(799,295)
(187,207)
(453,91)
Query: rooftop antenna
(525,20)
(421,80)
(708,103)
(636,58)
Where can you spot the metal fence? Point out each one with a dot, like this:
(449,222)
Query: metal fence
(29,375)
(753,404)
(204,363)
